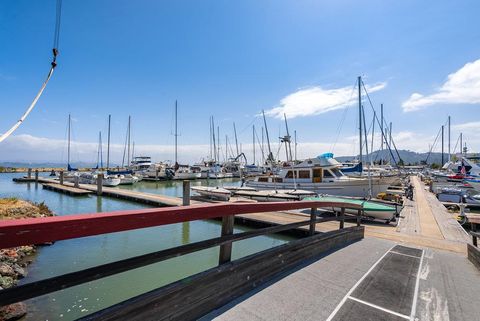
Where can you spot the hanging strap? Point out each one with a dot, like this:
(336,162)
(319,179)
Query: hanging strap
(50,73)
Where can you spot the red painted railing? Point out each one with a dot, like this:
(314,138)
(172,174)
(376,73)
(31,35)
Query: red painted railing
(50,229)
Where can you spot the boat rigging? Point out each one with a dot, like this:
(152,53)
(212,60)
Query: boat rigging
(49,75)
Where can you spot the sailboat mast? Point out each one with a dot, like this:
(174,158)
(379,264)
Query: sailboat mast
(218,142)
(360,116)
(253,137)
(128,148)
(101,148)
(210,123)
(263,146)
(295,135)
(449,155)
(108,141)
(390,141)
(270,155)
(214,141)
(289,146)
(236,141)
(381,131)
(442,146)
(68,144)
(176,133)
(461,142)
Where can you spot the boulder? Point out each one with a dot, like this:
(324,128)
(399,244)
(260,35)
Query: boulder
(13,312)
(6,270)
(19,271)
(7,282)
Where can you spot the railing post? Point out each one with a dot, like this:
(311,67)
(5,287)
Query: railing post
(76,181)
(359,217)
(313,218)
(29,175)
(61,177)
(186,193)
(342,219)
(99,184)
(36,176)
(474,237)
(226,249)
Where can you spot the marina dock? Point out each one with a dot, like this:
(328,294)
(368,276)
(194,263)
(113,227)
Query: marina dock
(70,190)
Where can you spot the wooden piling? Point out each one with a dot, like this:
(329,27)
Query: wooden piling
(99,184)
(61,177)
(29,175)
(342,220)
(36,176)
(226,249)
(76,182)
(186,193)
(359,217)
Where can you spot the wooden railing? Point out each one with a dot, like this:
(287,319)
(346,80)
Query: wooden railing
(40,230)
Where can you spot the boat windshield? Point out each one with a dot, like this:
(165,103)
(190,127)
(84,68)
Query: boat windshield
(336,172)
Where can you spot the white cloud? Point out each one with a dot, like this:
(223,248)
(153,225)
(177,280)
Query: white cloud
(317,100)
(461,87)
(474,126)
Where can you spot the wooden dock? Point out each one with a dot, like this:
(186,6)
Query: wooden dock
(66,189)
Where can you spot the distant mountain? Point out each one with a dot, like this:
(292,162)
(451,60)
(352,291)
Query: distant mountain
(408,157)
(46,165)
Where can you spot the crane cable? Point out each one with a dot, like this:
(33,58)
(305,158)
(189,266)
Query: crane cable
(50,73)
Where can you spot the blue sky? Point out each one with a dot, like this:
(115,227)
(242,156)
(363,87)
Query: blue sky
(231,59)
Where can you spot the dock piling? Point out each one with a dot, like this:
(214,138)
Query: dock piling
(61,177)
(76,182)
(99,184)
(313,217)
(359,217)
(29,175)
(186,193)
(36,176)
(226,249)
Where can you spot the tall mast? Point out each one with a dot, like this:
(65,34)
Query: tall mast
(253,137)
(128,148)
(381,131)
(442,147)
(133,150)
(288,146)
(108,141)
(263,146)
(226,148)
(176,134)
(461,142)
(101,149)
(360,116)
(218,142)
(210,123)
(236,141)
(449,155)
(68,144)
(98,149)
(214,141)
(270,155)
(295,135)
(390,141)
(373,136)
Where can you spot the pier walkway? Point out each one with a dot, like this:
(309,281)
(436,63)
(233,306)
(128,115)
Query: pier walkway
(372,279)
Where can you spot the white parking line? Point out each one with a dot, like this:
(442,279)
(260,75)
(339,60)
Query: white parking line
(395,252)
(417,283)
(380,308)
(330,317)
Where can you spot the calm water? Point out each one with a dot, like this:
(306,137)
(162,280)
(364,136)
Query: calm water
(72,255)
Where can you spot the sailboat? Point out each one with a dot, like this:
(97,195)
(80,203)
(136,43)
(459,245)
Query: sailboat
(182,172)
(69,176)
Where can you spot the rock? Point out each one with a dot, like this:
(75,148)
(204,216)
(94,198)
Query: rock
(13,312)
(19,271)
(7,282)
(6,270)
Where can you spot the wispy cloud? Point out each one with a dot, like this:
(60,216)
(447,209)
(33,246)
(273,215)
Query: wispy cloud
(461,87)
(474,126)
(317,100)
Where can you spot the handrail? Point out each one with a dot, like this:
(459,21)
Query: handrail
(50,229)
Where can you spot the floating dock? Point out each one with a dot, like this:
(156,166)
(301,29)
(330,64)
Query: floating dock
(66,189)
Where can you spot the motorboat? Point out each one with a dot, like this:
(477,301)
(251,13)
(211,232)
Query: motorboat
(372,210)
(186,172)
(322,176)
(458,195)
(212,192)
(91,178)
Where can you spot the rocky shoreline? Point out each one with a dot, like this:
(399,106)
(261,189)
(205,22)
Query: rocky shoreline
(13,261)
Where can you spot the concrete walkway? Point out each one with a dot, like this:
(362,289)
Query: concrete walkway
(369,280)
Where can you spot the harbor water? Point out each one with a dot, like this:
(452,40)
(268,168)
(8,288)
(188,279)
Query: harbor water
(77,254)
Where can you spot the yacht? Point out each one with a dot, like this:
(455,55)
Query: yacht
(91,178)
(321,175)
(186,172)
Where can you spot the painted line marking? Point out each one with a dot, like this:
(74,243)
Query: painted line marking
(417,284)
(337,308)
(416,257)
(380,308)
